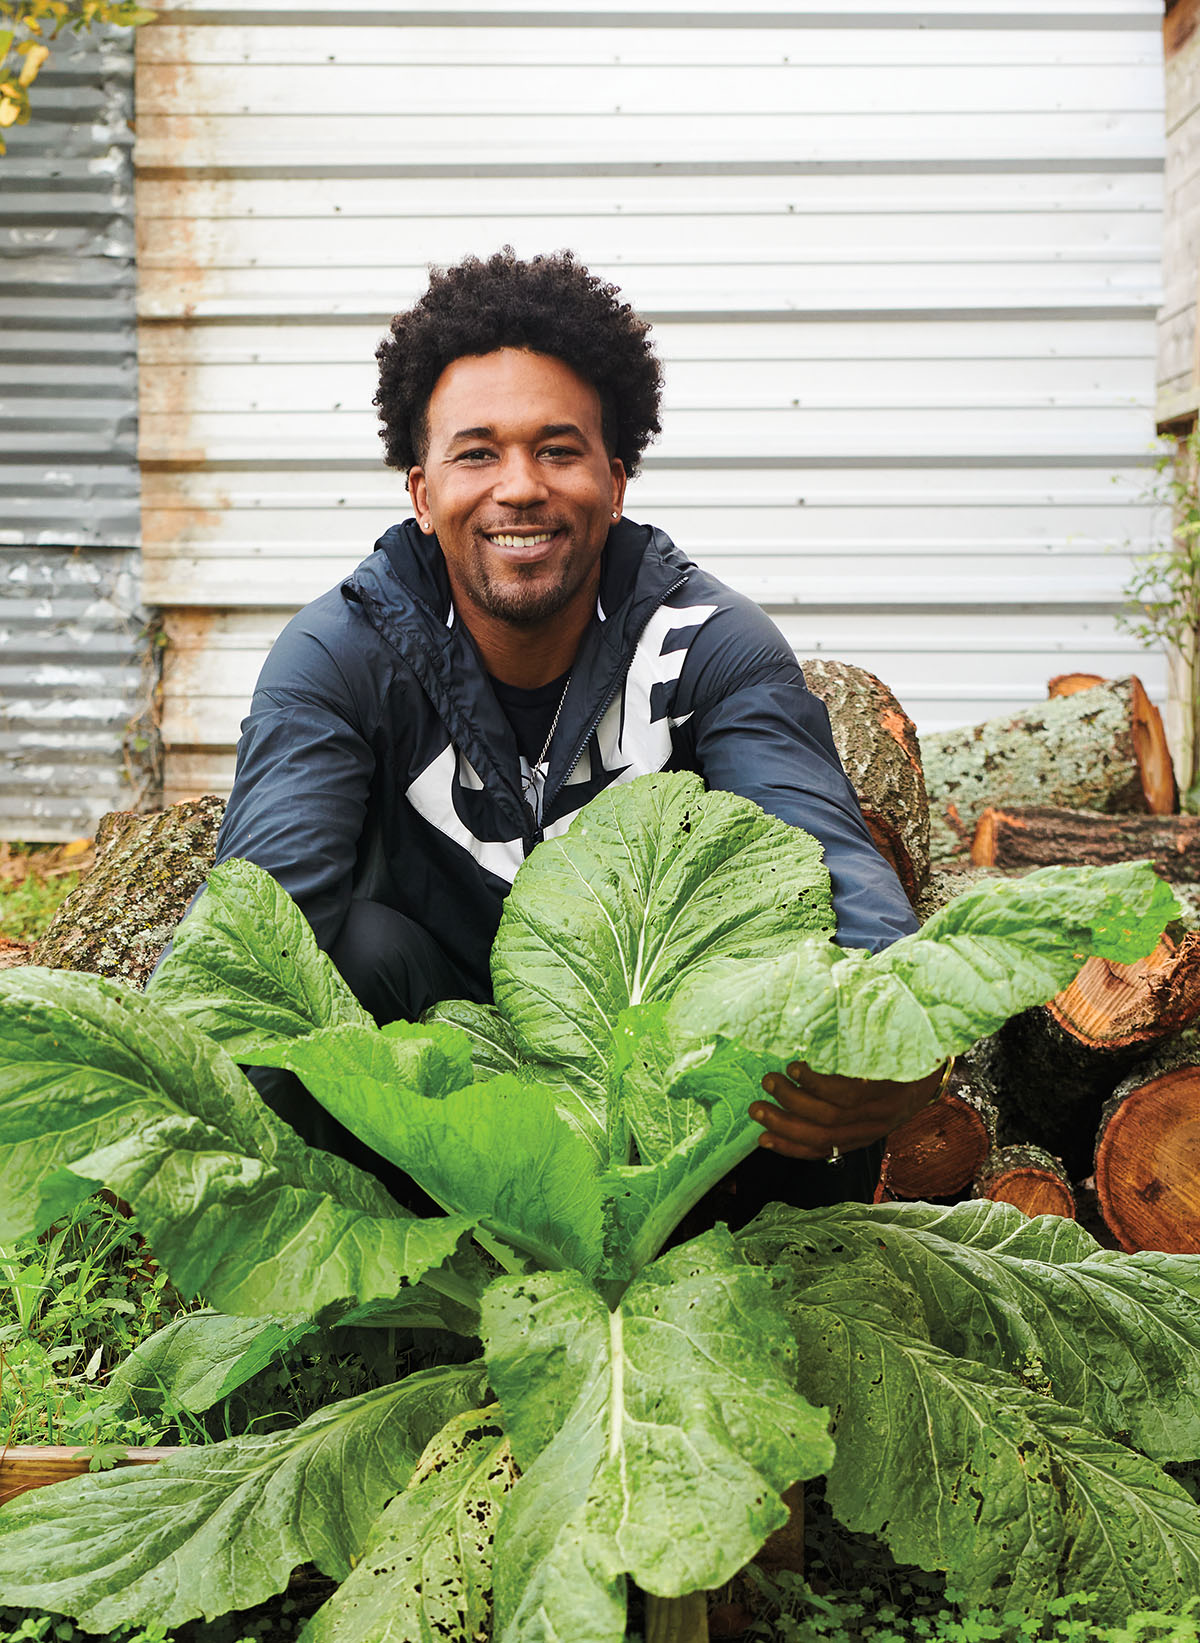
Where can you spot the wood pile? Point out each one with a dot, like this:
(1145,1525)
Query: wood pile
(1090,1105)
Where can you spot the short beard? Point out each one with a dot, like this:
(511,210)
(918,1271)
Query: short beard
(525,604)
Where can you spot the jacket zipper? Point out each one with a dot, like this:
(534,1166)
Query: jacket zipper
(548,798)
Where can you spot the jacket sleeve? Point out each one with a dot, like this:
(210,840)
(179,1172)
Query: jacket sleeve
(759,731)
(305,763)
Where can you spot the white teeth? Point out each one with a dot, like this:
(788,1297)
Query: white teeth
(506,541)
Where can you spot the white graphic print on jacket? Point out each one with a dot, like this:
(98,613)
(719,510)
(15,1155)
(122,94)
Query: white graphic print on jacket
(633,739)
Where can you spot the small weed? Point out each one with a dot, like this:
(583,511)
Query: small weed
(73,1303)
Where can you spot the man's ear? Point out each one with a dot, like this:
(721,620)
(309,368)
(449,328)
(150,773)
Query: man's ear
(617,469)
(419,492)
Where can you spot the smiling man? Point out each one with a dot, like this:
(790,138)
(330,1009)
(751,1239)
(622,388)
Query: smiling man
(509,652)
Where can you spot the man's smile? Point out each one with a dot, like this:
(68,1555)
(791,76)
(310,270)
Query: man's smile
(521,542)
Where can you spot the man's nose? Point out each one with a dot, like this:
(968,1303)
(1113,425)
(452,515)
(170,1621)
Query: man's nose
(520,482)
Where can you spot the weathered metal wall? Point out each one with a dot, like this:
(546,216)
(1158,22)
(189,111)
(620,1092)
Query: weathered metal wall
(903,264)
(71,647)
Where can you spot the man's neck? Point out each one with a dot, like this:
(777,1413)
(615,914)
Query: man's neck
(529,654)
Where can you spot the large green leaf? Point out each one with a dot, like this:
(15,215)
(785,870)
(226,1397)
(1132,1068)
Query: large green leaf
(1116,1337)
(494,1051)
(956,1464)
(653,1440)
(498,1152)
(222,1526)
(653,878)
(426,1572)
(703,1095)
(1000,947)
(197,1359)
(98,1086)
(245,967)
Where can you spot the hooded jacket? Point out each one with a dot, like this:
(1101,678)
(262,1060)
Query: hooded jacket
(376,761)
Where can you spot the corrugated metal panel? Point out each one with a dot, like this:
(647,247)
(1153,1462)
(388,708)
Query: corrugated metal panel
(70,686)
(71,648)
(903,266)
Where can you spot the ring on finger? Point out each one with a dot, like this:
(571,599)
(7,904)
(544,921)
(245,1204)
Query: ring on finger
(835,1156)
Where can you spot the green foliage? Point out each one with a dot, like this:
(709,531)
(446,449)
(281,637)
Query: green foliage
(651,964)
(29,894)
(73,1304)
(1164,588)
(28,31)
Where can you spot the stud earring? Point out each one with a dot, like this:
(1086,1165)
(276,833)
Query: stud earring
(616,513)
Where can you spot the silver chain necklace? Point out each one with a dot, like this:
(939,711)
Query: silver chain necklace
(533,776)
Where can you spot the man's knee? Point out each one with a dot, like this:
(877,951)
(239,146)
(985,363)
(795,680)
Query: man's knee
(391,964)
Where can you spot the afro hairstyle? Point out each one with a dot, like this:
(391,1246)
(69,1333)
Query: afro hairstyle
(548,305)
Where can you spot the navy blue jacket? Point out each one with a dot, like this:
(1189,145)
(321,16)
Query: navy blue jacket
(376,761)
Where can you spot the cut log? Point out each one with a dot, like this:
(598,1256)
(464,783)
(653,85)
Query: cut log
(1024,836)
(1148,1156)
(877,744)
(1070,684)
(1098,749)
(945,886)
(118,919)
(1028,1177)
(940,1149)
(1057,1064)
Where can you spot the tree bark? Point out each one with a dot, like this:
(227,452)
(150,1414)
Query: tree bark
(877,744)
(1055,1065)
(939,1150)
(117,921)
(1148,1155)
(1028,1177)
(1097,749)
(1024,836)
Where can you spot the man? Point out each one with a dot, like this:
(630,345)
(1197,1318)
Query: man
(509,652)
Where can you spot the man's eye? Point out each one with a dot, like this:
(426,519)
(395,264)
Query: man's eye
(559,453)
(474,456)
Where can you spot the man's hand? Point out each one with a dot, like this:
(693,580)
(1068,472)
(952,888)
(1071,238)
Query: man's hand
(819,1114)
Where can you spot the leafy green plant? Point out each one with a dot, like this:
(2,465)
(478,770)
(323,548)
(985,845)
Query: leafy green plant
(1164,593)
(634,1413)
(74,1303)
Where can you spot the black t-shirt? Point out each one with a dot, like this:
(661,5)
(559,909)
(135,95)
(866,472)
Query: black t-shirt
(530,712)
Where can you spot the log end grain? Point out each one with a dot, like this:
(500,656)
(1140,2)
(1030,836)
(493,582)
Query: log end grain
(938,1151)
(1148,1164)
(1119,1006)
(1028,1177)
(1070,684)
(1153,755)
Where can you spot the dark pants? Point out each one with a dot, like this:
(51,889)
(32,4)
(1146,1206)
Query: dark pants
(396,970)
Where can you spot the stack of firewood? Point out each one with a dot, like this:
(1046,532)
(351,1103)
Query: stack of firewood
(1090,1105)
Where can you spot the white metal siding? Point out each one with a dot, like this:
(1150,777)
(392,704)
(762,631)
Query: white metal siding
(72,646)
(903,266)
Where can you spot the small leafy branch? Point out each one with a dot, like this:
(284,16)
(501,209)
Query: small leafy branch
(28,32)
(1165,591)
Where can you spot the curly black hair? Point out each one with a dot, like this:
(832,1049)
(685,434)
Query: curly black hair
(549,305)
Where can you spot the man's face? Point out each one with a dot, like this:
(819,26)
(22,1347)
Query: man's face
(518,486)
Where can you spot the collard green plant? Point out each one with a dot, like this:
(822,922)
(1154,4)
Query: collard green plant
(635,1414)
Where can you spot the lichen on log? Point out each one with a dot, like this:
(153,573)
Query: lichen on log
(1098,749)
(881,755)
(118,919)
